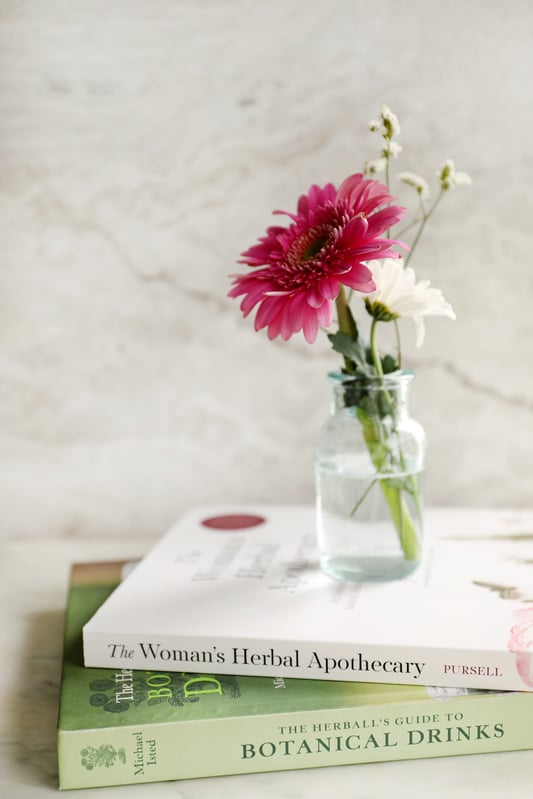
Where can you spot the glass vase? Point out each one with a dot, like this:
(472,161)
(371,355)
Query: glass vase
(369,464)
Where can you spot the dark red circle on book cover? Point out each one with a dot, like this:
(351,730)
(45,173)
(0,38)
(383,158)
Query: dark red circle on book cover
(233,521)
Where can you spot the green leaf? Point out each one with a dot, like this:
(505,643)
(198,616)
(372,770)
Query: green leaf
(389,364)
(351,349)
(354,332)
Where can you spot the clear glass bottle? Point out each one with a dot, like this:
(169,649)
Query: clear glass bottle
(369,463)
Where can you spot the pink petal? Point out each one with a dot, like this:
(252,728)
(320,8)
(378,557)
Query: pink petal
(287,328)
(267,311)
(325,314)
(383,252)
(294,217)
(329,193)
(314,195)
(297,308)
(250,301)
(314,297)
(363,194)
(354,231)
(384,219)
(274,327)
(303,205)
(329,288)
(310,326)
(349,186)
(359,278)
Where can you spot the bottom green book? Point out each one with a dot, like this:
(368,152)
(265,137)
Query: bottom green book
(119,727)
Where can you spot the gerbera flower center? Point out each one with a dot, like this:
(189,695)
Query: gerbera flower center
(314,247)
(309,245)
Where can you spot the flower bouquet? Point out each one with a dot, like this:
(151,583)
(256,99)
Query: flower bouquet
(338,246)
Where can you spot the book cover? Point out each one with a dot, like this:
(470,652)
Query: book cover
(241,593)
(121,726)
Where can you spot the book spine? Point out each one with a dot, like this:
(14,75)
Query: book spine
(456,668)
(306,739)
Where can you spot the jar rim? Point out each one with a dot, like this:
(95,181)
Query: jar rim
(399,377)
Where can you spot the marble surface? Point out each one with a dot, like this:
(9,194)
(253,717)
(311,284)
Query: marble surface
(33,584)
(143,147)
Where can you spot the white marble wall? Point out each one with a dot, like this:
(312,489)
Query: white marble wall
(143,146)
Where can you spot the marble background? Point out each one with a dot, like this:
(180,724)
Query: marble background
(143,147)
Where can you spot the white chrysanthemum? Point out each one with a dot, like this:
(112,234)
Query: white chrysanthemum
(418,183)
(375,167)
(451,178)
(398,295)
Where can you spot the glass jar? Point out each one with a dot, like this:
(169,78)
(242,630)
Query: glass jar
(369,463)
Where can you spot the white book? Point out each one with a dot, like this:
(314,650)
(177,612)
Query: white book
(239,591)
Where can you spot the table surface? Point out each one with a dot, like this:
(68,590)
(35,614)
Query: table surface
(33,584)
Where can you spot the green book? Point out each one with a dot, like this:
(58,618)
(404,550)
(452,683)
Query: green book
(120,726)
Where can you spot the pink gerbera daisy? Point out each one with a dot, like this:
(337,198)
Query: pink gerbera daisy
(303,265)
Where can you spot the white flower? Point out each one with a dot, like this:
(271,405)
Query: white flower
(390,121)
(398,295)
(387,124)
(451,178)
(418,183)
(375,167)
(392,149)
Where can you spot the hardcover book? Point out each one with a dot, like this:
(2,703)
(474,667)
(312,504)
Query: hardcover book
(241,592)
(120,726)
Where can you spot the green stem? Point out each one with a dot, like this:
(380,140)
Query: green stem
(393,495)
(374,350)
(416,240)
(425,217)
(401,518)
(387,180)
(346,324)
(363,496)
(343,316)
(407,227)
(398,344)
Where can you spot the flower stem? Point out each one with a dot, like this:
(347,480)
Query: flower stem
(343,316)
(363,496)
(374,350)
(398,344)
(387,180)
(401,518)
(346,323)
(376,440)
(425,216)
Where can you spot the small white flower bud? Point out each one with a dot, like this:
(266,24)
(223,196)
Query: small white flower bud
(375,167)
(418,183)
(450,177)
(390,122)
(392,149)
(462,179)
(387,124)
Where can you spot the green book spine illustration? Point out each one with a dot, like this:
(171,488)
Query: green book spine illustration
(120,726)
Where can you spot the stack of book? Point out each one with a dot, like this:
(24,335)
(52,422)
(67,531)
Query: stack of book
(226,651)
